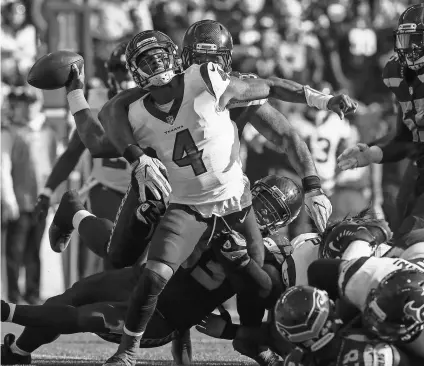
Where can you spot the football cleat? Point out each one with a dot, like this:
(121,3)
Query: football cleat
(10,358)
(61,229)
(121,359)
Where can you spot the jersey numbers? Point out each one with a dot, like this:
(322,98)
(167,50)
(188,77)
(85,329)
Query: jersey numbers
(114,163)
(319,148)
(186,153)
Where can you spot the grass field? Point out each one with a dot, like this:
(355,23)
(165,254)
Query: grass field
(88,350)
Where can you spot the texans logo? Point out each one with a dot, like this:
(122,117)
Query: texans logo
(416,313)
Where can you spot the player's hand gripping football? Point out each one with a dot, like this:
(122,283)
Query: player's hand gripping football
(217,326)
(358,156)
(342,104)
(150,173)
(77,79)
(318,207)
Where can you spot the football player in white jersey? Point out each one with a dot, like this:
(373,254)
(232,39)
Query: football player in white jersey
(184,119)
(110,177)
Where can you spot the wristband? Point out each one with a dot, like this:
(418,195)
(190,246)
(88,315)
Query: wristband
(77,101)
(46,192)
(132,153)
(314,98)
(311,182)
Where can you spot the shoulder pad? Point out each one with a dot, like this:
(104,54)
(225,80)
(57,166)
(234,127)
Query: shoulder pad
(392,73)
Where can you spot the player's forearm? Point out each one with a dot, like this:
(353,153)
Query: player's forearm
(94,136)
(275,127)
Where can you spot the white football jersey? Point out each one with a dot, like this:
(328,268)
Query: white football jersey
(198,144)
(359,276)
(305,251)
(324,138)
(113,173)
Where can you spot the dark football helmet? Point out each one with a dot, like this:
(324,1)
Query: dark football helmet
(119,77)
(409,37)
(394,311)
(207,37)
(158,68)
(277,202)
(306,317)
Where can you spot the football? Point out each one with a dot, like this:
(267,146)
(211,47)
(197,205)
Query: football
(53,71)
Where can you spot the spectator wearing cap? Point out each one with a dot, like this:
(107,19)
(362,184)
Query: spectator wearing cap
(27,160)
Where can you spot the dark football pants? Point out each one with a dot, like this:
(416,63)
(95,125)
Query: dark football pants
(94,304)
(103,202)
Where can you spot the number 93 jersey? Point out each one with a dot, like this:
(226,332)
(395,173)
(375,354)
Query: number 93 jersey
(198,144)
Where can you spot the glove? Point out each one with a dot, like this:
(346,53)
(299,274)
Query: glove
(218,326)
(373,231)
(230,250)
(318,207)
(41,208)
(149,213)
(358,156)
(150,173)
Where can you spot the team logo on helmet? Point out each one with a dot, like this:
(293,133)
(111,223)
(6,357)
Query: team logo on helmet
(416,313)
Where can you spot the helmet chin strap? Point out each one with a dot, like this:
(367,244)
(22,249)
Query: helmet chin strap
(160,79)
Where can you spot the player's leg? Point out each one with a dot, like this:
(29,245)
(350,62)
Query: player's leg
(111,286)
(105,203)
(174,240)
(71,214)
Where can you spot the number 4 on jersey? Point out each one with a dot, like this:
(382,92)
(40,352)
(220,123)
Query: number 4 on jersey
(186,153)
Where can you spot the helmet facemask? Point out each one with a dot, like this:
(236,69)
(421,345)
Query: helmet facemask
(154,65)
(409,45)
(206,52)
(267,207)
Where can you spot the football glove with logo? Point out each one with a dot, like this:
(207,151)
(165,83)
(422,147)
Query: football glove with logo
(150,173)
(231,250)
(373,231)
(149,213)
(318,207)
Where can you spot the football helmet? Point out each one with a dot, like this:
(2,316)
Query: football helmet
(153,69)
(409,37)
(394,311)
(207,37)
(277,202)
(306,317)
(119,77)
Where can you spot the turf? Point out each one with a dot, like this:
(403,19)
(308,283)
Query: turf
(88,350)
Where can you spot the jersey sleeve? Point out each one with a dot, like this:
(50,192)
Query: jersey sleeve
(245,103)
(215,79)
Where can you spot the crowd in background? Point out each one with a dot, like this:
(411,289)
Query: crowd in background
(330,45)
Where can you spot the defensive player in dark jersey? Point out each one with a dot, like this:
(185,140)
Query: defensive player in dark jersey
(404,76)
(98,303)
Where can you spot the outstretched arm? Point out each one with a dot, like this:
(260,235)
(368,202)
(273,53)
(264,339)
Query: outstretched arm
(285,90)
(88,126)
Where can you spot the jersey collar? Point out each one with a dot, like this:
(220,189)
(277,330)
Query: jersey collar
(167,117)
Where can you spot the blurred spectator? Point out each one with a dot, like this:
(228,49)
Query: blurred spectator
(18,46)
(28,154)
